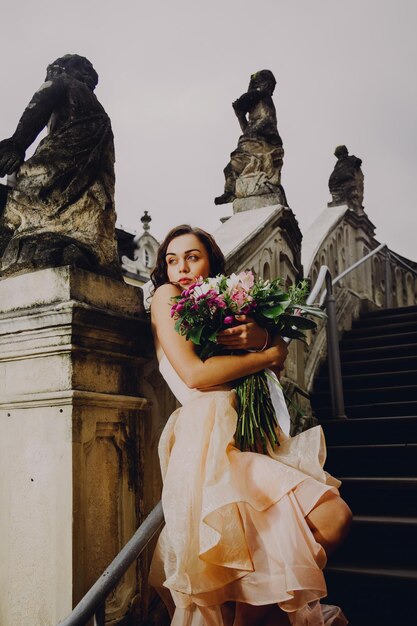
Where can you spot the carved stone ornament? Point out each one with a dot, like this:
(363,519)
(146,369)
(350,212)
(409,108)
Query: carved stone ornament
(346,180)
(255,166)
(60,209)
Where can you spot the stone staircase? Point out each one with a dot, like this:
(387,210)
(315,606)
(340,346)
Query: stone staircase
(373,576)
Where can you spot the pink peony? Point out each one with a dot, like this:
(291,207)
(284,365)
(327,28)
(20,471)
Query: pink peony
(229,319)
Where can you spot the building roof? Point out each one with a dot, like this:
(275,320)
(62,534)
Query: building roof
(240,228)
(317,232)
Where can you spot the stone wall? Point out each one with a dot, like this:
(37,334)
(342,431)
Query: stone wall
(74,415)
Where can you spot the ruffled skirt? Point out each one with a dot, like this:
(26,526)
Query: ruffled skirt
(235,521)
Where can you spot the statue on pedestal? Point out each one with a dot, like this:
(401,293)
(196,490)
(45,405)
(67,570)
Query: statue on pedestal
(255,166)
(60,209)
(346,180)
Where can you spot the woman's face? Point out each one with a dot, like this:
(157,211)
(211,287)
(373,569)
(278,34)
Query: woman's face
(187,259)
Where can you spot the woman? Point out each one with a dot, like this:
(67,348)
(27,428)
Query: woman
(246,535)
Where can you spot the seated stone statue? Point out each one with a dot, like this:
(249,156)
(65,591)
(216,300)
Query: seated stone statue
(61,208)
(346,180)
(255,166)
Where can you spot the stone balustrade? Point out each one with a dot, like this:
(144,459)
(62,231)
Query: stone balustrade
(339,238)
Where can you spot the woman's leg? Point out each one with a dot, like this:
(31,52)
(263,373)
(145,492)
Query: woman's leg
(330,521)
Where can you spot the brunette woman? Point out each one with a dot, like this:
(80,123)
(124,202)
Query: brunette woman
(247,535)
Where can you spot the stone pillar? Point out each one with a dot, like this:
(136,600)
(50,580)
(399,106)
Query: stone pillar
(72,411)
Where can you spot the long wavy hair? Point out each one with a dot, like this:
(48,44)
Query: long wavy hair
(159,275)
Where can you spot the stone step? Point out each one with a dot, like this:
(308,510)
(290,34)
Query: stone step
(360,364)
(379,409)
(379,340)
(370,430)
(366,396)
(401,323)
(380,379)
(381,495)
(388,313)
(383,319)
(370,353)
(373,460)
(381,541)
(371,595)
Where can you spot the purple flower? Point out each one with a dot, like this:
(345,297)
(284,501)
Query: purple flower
(229,319)
(179,307)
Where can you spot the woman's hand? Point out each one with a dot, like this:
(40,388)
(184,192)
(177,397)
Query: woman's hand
(280,348)
(248,335)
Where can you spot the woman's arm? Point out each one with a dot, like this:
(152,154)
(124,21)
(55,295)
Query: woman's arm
(217,370)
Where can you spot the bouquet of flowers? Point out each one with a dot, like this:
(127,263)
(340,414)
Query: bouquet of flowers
(210,305)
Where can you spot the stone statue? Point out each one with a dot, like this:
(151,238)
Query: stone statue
(255,166)
(60,210)
(346,180)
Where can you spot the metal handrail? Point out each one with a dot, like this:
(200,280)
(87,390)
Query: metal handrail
(402,262)
(350,269)
(93,602)
(333,354)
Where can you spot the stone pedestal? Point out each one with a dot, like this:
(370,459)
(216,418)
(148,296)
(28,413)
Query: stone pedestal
(72,410)
(256,202)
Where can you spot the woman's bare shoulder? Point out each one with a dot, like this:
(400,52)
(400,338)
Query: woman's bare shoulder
(163,295)
(166,290)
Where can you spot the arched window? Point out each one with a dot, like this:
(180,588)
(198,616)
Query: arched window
(398,286)
(267,272)
(410,289)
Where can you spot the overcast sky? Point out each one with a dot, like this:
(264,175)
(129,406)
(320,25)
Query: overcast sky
(169,71)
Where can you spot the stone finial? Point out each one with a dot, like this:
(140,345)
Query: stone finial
(346,180)
(60,210)
(145,248)
(146,220)
(253,175)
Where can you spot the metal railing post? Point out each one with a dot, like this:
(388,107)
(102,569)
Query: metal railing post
(333,354)
(388,280)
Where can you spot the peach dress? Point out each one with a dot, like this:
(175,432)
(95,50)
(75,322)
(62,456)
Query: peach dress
(235,521)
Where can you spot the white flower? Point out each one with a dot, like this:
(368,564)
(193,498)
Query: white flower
(209,283)
(232,282)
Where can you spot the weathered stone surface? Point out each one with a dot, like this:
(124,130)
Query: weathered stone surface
(255,166)
(51,286)
(256,202)
(61,209)
(346,181)
(73,417)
